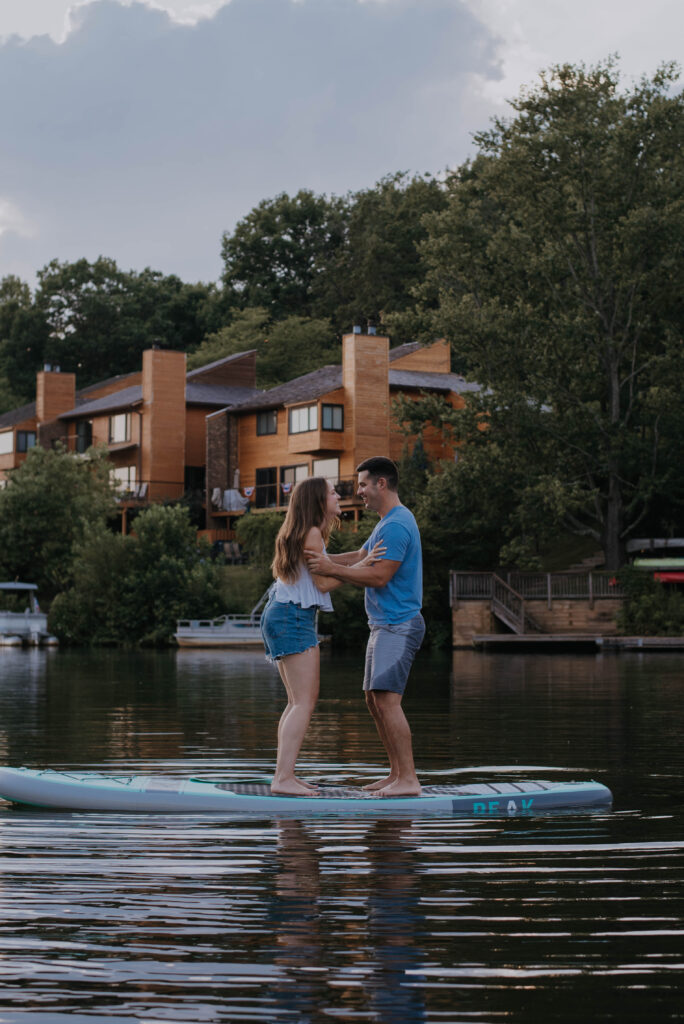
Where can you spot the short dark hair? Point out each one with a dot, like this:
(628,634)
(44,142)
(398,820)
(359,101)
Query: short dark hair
(378,466)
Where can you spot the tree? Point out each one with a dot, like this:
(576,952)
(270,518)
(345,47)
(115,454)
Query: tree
(557,264)
(130,590)
(276,253)
(346,259)
(15,303)
(373,275)
(285,348)
(95,320)
(45,510)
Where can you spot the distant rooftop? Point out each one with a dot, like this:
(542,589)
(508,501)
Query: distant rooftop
(14,416)
(329,378)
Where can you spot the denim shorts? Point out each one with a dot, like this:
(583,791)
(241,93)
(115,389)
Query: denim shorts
(288,628)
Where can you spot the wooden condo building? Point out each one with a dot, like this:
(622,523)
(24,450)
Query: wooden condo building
(323,424)
(212,432)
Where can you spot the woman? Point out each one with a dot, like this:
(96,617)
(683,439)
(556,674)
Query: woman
(288,623)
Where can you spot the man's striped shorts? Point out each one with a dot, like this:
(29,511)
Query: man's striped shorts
(390,653)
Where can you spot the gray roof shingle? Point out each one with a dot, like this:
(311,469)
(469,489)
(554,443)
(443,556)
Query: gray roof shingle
(195,394)
(124,399)
(431,381)
(329,378)
(14,416)
(301,389)
(214,394)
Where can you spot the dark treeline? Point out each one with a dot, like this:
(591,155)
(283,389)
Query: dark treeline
(552,262)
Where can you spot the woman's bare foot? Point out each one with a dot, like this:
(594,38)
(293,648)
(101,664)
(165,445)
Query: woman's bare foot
(380,784)
(292,787)
(401,787)
(309,785)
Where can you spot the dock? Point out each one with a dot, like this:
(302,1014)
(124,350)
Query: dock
(575,641)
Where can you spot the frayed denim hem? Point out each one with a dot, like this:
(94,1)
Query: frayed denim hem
(272,660)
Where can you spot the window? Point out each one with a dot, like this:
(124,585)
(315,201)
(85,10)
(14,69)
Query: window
(332,417)
(289,476)
(303,418)
(6,442)
(26,439)
(267,422)
(195,478)
(84,435)
(119,428)
(266,495)
(124,478)
(329,468)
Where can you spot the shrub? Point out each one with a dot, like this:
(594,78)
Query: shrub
(131,590)
(650,608)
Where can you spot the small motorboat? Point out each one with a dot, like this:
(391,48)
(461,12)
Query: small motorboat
(27,625)
(224,631)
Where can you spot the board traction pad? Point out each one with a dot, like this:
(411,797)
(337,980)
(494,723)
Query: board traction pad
(353,793)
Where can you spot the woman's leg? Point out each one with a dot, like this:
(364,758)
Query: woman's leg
(300,674)
(286,711)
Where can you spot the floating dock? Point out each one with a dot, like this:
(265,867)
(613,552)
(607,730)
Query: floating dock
(576,642)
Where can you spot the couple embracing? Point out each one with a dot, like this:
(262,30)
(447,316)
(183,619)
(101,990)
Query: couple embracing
(389,567)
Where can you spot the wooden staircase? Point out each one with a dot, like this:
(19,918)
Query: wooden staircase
(509,608)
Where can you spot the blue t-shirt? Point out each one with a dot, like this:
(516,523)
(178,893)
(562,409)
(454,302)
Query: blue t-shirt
(401,598)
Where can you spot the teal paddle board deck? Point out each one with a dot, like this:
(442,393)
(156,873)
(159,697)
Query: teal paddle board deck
(149,794)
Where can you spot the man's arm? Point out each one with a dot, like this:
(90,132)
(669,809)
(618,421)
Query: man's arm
(376,575)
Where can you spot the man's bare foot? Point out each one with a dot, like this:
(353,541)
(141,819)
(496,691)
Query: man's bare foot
(379,784)
(401,787)
(292,787)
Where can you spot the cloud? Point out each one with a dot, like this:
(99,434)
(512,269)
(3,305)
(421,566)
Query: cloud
(142,138)
(534,34)
(12,220)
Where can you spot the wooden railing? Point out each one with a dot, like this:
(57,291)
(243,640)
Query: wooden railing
(537,586)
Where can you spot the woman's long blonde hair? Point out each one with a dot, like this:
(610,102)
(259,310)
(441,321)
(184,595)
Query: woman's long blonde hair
(308,507)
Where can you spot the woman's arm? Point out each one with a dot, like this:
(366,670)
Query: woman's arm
(362,575)
(314,542)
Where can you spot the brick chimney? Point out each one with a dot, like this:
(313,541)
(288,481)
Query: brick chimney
(162,463)
(55,393)
(365,377)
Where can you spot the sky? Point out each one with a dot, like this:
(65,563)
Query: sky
(141,130)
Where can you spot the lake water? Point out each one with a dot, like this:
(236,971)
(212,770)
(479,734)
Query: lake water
(559,918)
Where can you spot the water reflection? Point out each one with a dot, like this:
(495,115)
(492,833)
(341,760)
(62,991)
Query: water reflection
(223,919)
(375,906)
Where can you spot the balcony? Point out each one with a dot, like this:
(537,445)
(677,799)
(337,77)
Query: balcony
(316,441)
(271,497)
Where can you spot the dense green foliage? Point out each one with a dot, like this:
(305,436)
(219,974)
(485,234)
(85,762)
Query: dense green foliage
(51,501)
(284,348)
(649,608)
(130,590)
(556,266)
(95,320)
(344,260)
(276,254)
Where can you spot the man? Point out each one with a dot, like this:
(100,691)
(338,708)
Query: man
(394,597)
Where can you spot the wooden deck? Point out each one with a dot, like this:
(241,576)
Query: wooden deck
(576,641)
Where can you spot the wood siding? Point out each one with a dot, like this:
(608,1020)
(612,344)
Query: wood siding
(435,358)
(163,438)
(365,376)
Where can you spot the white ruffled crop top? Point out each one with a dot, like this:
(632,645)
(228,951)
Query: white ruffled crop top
(303,591)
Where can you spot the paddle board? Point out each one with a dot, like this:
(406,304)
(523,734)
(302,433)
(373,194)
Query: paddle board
(150,794)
